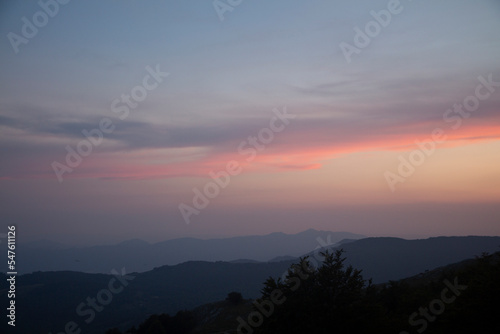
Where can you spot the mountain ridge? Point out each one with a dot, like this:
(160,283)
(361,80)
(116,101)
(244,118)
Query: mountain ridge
(141,256)
(170,288)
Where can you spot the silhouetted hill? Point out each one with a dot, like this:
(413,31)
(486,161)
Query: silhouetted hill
(244,261)
(50,299)
(140,256)
(385,259)
(388,305)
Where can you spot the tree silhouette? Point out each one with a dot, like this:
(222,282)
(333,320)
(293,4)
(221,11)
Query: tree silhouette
(234,297)
(334,298)
(113,331)
(328,299)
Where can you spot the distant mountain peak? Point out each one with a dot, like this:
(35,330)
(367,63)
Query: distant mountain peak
(139,255)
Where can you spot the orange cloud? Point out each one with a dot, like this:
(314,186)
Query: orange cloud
(298,148)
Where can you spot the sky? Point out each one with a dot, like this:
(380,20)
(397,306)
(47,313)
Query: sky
(196,118)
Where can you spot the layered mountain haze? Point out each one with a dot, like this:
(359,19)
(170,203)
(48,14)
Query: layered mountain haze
(171,288)
(384,259)
(137,255)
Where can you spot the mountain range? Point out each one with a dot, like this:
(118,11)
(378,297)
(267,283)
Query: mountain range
(53,299)
(140,256)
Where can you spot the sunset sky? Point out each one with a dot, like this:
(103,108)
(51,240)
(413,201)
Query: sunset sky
(349,126)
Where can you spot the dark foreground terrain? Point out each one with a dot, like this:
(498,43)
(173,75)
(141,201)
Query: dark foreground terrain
(65,301)
(334,298)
